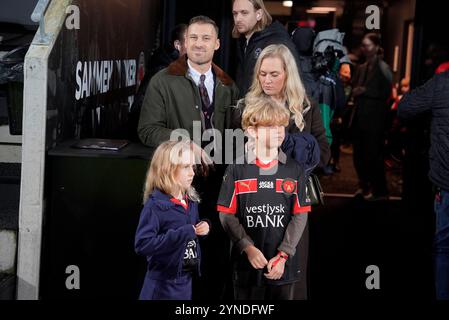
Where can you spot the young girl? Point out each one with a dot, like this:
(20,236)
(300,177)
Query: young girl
(169,225)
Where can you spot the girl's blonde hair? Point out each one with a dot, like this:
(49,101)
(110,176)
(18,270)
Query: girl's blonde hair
(293,91)
(264,112)
(162,171)
(264,22)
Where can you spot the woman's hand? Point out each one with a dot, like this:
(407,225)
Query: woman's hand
(255,257)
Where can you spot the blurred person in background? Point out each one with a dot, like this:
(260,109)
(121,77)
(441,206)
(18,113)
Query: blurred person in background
(371,90)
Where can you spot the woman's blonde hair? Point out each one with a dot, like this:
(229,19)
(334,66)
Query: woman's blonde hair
(264,112)
(162,171)
(265,20)
(293,91)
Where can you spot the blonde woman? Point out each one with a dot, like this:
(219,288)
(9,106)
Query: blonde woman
(169,226)
(276,76)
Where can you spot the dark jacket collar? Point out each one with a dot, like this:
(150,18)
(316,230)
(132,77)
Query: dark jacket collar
(161,196)
(167,200)
(179,68)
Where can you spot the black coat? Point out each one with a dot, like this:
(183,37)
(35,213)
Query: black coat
(303,40)
(371,106)
(275,33)
(433,97)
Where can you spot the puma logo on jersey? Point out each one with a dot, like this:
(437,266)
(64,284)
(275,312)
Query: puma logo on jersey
(245,184)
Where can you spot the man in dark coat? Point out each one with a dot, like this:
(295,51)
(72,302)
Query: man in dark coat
(255,31)
(433,97)
(372,88)
(303,38)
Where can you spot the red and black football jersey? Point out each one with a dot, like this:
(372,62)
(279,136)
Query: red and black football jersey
(264,197)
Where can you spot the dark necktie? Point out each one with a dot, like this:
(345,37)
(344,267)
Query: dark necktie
(206,105)
(203,92)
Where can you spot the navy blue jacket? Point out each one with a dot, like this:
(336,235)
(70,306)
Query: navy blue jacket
(432,97)
(304,148)
(164,230)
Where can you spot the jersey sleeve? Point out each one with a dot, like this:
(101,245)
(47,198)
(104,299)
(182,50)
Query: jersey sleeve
(227,199)
(301,198)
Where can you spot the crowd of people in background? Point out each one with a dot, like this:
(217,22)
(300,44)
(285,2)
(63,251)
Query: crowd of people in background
(299,83)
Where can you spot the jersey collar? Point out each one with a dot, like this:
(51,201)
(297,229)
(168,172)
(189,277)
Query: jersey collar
(282,158)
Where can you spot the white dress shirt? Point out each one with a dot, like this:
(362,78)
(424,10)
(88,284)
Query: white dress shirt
(208,82)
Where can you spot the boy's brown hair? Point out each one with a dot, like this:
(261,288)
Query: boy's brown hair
(264,112)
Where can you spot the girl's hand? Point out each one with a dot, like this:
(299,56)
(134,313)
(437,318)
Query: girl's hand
(275,268)
(256,257)
(202,228)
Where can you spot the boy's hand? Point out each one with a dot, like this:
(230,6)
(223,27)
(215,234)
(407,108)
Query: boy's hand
(256,257)
(202,228)
(275,268)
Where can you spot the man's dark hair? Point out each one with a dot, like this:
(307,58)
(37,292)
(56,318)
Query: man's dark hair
(204,20)
(178,32)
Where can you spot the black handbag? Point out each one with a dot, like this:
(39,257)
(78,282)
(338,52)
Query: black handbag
(314,191)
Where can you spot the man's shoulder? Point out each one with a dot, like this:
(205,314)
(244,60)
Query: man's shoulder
(277,33)
(164,75)
(165,78)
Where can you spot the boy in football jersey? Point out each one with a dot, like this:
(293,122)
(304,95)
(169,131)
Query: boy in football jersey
(263,208)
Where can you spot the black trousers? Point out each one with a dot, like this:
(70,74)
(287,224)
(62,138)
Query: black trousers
(215,282)
(368,145)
